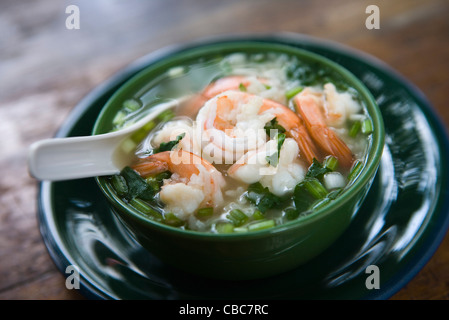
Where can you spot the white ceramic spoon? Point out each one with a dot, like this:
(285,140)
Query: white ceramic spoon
(87,156)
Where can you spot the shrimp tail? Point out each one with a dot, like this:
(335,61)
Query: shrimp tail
(325,138)
(305,143)
(333,145)
(151,165)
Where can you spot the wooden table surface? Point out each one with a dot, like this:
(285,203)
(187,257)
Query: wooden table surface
(46,69)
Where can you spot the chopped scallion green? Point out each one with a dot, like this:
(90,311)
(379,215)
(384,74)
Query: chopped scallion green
(367,126)
(315,188)
(146,209)
(166,115)
(172,220)
(258,215)
(119,119)
(331,163)
(293,92)
(237,217)
(355,128)
(355,170)
(242,87)
(205,212)
(119,184)
(224,227)
(261,225)
(131,105)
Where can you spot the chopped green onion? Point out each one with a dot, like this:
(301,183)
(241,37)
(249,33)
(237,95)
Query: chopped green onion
(367,126)
(131,105)
(265,224)
(149,125)
(242,87)
(166,115)
(315,188)
(172,220)
(145,208)
(153,183)
(139,135)
(268,87)
(331,163)
(205,212)
(224,227)
(240,229)
(237,217)
(258,215)
(119,119)
(119,184)
(293,92)
(355,170)
(355,128)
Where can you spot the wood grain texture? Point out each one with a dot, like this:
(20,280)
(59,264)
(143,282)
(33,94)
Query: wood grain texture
(46,69)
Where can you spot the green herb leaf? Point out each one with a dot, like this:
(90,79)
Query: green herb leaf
(237,217)
(261,197)
(166,115)
(317,170)
(242,87)
(168,146)
(273,128)
(137,186)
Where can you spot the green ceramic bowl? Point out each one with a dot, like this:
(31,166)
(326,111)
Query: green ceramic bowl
(256,254)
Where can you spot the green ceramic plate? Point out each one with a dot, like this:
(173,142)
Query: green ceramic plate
(401,223)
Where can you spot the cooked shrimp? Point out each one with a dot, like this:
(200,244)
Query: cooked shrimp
(224,84)
(230,125)
(195,183)
(233,123)
(250,84)
(308,107)
(219,86)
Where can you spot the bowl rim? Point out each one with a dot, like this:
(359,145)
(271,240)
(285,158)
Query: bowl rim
(364,177)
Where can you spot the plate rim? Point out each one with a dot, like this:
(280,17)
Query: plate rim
(393,285)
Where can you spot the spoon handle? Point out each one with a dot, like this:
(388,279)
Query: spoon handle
(73,158)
